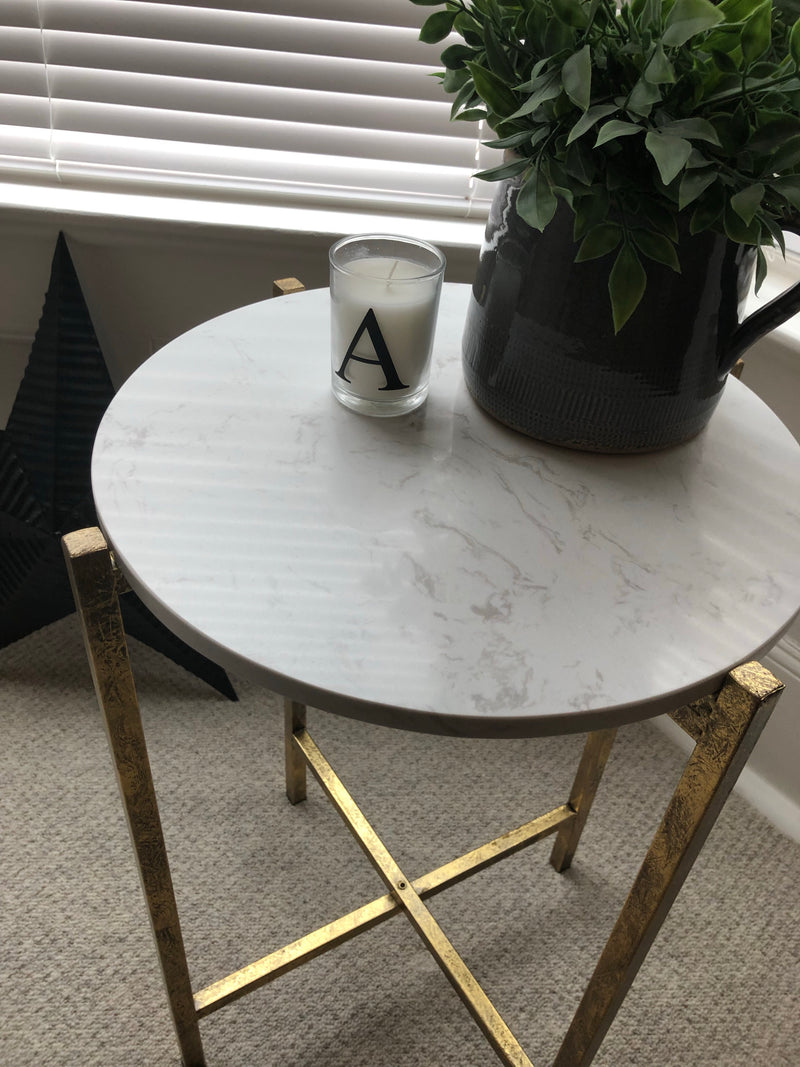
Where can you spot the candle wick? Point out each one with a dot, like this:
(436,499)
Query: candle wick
(394,268)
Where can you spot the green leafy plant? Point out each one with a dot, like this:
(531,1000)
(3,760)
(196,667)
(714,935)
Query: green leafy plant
(637,116)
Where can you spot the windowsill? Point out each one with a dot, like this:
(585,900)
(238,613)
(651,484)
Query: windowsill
(196,213)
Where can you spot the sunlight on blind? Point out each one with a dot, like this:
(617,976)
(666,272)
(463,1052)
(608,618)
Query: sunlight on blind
(259,100)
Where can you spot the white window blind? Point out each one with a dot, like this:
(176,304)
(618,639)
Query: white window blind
(312,101)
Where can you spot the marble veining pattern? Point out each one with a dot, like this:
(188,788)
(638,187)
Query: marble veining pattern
(438,571)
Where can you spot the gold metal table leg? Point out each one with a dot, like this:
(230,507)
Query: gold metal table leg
(725,731)
(294,718)
(590,770)
(95,588)
(287,286)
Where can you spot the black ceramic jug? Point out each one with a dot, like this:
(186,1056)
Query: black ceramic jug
(540,353)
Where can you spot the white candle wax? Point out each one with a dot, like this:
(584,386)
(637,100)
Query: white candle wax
(404,306)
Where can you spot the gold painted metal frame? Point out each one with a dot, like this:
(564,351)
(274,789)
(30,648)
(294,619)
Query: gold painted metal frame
(724,727)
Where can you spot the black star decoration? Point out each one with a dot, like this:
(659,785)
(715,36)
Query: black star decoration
(45,486)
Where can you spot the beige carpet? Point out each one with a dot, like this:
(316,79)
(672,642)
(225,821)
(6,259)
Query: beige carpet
(79,984)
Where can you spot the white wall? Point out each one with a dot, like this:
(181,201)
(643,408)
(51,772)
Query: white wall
(145,282)
(772,779)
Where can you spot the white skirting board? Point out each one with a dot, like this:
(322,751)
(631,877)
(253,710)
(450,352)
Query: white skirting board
(782,810)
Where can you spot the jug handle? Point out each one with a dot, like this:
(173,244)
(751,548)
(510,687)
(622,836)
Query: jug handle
(765,319)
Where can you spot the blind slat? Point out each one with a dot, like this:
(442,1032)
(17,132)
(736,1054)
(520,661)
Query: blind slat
(21,142)
(240,29)
(23,44)
(30,111)
(20,13)
(135,93)
(21,79)
(241,66)
(303,169)
(360,145)
(377,12)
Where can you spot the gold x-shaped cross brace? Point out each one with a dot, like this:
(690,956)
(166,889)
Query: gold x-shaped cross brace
(404,895)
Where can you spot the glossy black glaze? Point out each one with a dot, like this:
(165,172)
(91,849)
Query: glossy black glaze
(539,348)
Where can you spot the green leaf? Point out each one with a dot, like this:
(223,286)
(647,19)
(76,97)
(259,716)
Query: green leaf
(659,70)
(788,157)
(693,184)
(610,131)
(775,231)
(732,130)
(659,217)
(790,188)
(761,268)
(536,202)
(576,77)
(506,170)
(589,211)
(642,98)
(473,114)
(558,37)
(465,96)
(670,153)
(466,26)
(514,140)
(709,210)
(726,37)
(560,183)
(455,56)
(550,89)
(580,163)
(657,247)
(687,18)
(794,43)
(534,81)
(599,241)
(697,159)
(626,285)
(747,201)
(738,230)
(455,79)
(589,118)
(774,134)
(645,11)
(757,32)
(571,12)
(695,129)
(736,10)
(497,56)
(724,62)
(493,91)
(437,26)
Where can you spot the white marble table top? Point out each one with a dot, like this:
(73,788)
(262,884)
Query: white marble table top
(437,571)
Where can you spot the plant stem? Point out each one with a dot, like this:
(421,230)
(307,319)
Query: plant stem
(763,84)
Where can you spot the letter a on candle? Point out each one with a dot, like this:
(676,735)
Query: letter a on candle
(383,360)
